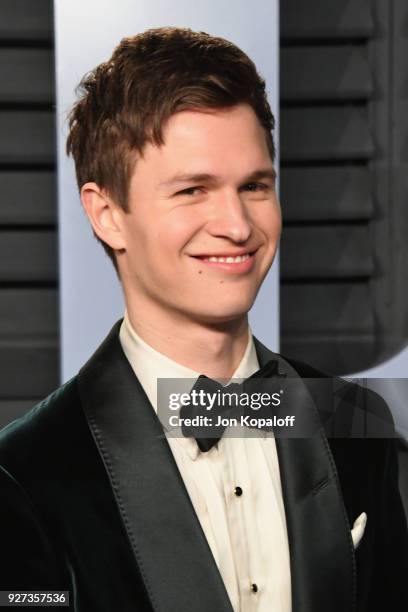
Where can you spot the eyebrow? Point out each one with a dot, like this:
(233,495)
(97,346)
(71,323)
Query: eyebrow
(264,173)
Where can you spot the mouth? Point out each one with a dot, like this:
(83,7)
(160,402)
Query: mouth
(228,262)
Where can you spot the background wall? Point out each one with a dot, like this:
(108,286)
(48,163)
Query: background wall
(85,35)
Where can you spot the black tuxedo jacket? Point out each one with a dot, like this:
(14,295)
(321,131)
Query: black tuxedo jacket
(92,502)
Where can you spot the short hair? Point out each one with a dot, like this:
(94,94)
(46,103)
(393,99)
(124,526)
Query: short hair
(124,103)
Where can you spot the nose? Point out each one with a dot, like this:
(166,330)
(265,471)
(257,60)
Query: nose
(229,218)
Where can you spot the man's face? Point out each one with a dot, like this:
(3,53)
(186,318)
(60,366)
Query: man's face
(208,192)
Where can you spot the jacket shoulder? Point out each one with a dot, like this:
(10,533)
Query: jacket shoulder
(356,410)
(34,435)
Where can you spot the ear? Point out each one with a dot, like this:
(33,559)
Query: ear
(103,214)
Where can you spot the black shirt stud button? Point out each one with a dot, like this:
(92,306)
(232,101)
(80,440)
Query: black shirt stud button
(254,587)
(238,491)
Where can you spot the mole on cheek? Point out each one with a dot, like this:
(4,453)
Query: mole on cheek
(221,282)
(200,271)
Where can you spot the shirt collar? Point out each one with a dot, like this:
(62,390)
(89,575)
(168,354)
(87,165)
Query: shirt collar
(149,365)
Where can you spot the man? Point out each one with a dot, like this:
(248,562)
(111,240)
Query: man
(174,158)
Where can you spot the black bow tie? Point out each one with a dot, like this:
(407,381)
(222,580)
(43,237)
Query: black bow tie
(205,435)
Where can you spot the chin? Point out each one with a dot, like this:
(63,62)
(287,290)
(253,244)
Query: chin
(224,313)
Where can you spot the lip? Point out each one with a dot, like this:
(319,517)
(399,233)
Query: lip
(231,268)
(225,254)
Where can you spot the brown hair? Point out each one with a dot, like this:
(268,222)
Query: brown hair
(125,102)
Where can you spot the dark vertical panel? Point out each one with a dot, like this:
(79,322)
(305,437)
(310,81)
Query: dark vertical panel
(28,236)
(327,148)
(344,181)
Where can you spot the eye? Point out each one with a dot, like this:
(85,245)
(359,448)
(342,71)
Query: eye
(190,191)
(253,187)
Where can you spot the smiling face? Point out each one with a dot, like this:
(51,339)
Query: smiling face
(204,220)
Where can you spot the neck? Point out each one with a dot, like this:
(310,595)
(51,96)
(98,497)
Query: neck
(213,349)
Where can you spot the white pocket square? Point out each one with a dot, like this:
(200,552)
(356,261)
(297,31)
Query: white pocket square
(358,529)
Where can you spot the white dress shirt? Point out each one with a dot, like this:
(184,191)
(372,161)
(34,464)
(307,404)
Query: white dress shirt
(235,489)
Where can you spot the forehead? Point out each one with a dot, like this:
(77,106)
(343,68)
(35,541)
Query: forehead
(210,141)
(227,124)
(229,145)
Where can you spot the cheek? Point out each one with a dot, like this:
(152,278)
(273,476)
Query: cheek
(269,221)
(276,225)
(176,230)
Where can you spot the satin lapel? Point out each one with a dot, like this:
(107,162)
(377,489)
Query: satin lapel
(173,556)
(321,547)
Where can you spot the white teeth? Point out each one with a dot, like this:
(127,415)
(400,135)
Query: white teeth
(228,259)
